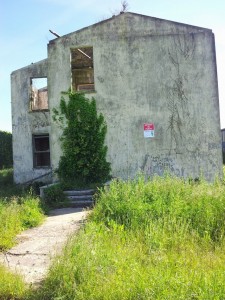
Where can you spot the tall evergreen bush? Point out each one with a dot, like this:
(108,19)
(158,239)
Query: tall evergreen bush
(84,152)
(6,160)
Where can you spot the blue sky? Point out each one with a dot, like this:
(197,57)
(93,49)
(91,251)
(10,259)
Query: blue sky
(25,24)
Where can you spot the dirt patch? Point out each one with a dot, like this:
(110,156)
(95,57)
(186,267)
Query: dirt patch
(36,247)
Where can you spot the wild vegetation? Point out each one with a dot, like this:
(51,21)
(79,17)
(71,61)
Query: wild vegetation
(19,209)
(84,153)
(6,160)
(161,239)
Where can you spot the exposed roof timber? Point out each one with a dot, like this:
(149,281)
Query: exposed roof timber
(57,35)
(84,53)
(54,33)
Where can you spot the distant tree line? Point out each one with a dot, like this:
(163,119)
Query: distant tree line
(6,157)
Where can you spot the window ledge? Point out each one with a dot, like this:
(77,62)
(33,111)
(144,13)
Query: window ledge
(39,110)
(42,167)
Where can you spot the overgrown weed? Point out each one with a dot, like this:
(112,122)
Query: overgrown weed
(17,215)
(19,209)
(12,286)
(161,239)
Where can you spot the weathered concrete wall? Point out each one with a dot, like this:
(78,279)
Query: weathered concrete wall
(25,123)
(148,71)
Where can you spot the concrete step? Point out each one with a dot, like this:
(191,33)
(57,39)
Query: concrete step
(81,203)
(83,197)
(80,198)
(79,192)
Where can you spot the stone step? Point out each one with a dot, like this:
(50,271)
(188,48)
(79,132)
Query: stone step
(82,197)
(79,192)
(81,203)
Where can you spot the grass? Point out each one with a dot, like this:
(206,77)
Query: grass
(19,209)
(162,239)
(17,215)
(12,286)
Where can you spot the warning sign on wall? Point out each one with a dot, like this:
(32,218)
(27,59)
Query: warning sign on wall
(149,130)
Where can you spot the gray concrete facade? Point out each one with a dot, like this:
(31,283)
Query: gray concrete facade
(26,123)
(146,71)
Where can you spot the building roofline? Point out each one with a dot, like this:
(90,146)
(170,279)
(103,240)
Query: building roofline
(130,13)
(32,64)
(166,20)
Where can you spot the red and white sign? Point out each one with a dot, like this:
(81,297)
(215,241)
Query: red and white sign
(149,130)
(149,126)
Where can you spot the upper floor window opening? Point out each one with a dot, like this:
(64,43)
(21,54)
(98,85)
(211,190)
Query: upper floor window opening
(82,69)
(39,94)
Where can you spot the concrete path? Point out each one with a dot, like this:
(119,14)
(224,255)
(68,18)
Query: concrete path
(31,257)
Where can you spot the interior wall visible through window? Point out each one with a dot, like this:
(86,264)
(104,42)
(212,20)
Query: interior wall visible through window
(39,94)
(82,69)
(41,151)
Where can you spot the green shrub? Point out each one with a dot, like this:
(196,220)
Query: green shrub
(6,160)
(84,153)
(6,177)
(31,213)
(7,187)
(54,196)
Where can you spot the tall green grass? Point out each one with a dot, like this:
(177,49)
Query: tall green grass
(133,204)
(162,239)
(12,286)
(19,209)
(17,215)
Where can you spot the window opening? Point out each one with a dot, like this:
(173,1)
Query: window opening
(41,151)
(223,135)
(39,94)
(82,69)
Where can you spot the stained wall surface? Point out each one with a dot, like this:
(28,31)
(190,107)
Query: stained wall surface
(148,70)
(26,123)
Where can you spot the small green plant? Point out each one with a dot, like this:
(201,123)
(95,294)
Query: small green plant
(6,177)
(54,196)
(84,153)
(31,213)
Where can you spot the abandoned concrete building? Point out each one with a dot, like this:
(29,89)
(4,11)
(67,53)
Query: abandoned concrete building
(155,81)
